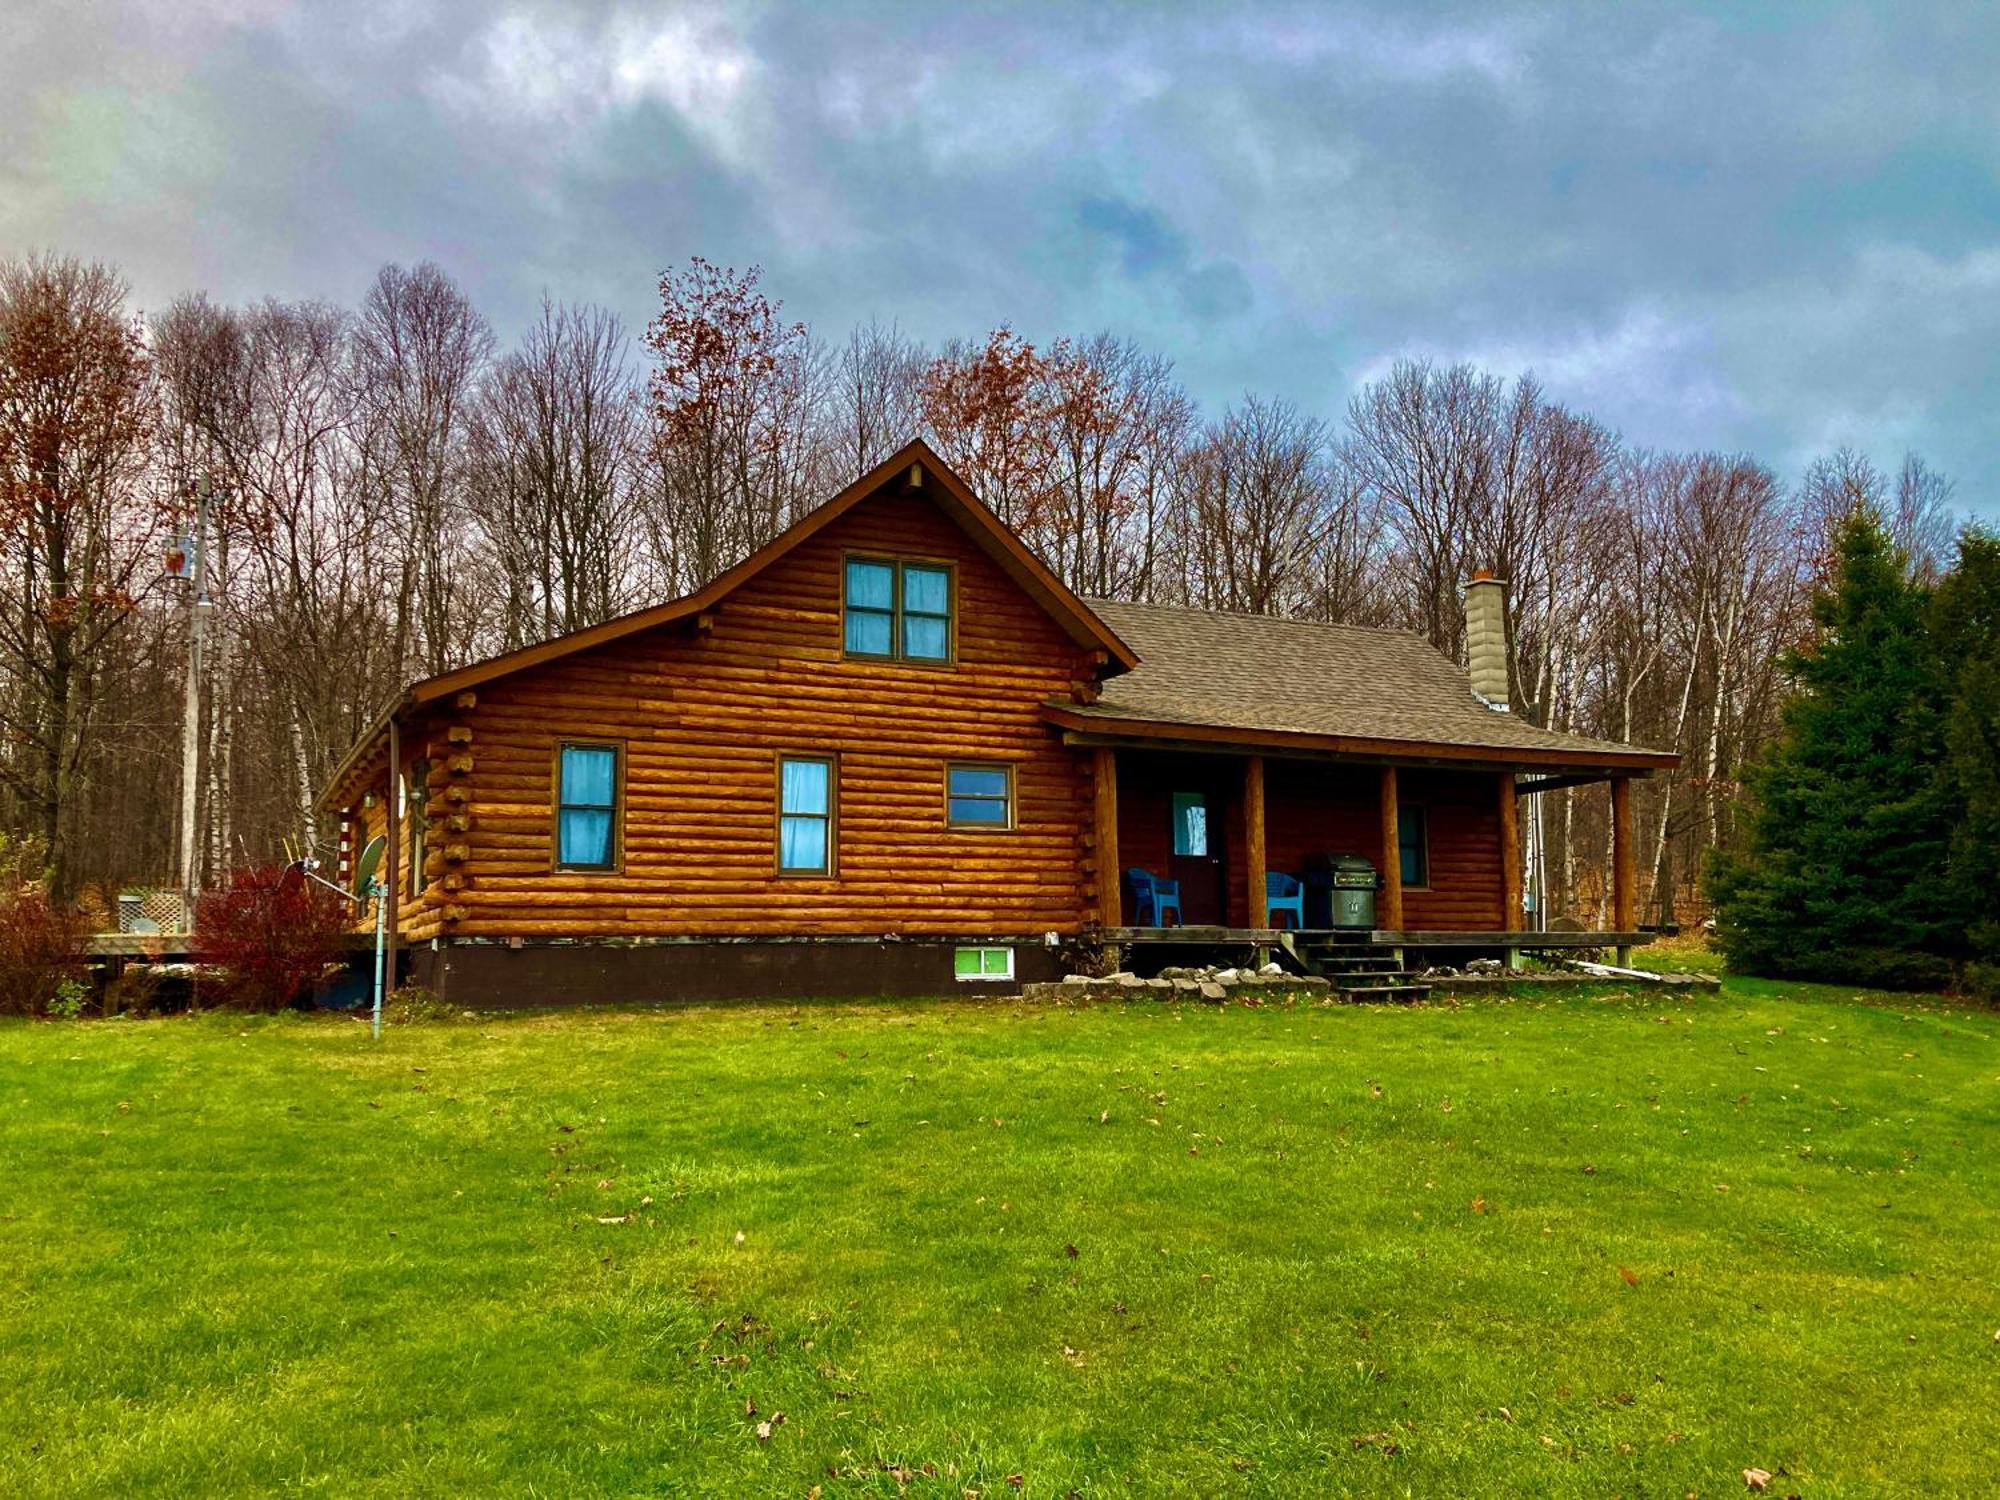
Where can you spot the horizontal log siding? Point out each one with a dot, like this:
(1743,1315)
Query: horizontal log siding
(703,716)
(1463,812)
(1336,809)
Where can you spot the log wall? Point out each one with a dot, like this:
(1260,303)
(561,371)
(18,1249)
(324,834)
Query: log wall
(703,712)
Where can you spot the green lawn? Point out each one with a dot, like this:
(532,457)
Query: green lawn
(1588,1246)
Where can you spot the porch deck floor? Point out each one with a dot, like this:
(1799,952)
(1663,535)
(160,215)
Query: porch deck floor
(1378,937)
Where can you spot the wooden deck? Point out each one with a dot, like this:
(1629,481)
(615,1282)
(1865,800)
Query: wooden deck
(1379,937)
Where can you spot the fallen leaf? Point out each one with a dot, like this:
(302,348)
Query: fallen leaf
(763,1432)
(1071,1251)
(1479,1205)
(741,1237)
(1757,1479)
(1625,1274)
(1015,1480)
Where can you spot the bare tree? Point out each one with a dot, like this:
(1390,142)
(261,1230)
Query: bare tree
(555,443)
(76,418)
(419,349)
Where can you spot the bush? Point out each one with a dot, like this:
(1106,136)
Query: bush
(272,934)
(42,950)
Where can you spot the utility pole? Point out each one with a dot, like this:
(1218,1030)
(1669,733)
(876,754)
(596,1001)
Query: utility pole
(198,608)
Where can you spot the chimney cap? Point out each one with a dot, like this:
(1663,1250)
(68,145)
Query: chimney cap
(1484,575)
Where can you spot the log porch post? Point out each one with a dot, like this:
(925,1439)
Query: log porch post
(394,862)
(1510,864)
(1391,915)
(1258,913)
(1104,775)
(1624,875)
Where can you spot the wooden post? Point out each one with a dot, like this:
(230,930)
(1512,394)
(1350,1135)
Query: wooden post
(1510,863)
(1391,914)
(1110,895)
(1624,877)
(1259,913)
(393,863)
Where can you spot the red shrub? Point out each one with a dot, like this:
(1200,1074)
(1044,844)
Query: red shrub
(272,933)
(41,945)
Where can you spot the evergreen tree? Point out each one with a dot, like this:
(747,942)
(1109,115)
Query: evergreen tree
(1842,870)
(1965,629)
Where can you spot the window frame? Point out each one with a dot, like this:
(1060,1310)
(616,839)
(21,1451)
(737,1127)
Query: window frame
(1009,799)
(895,653)
(982,977)
(1423,842)
(779,760)
(615,855)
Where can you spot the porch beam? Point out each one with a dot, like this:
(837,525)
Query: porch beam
(1104,776)
(1256,912)
(1510,855)
(1391,914)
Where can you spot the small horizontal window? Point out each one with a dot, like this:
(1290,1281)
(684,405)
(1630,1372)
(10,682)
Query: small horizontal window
(979,796)
(974,964)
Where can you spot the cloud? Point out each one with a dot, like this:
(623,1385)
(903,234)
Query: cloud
(1709,228)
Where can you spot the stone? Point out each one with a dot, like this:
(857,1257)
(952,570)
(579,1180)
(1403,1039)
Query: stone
(1223,976)
(1272,969)
(1174,971)
(1160,983)
(1128,981)
(1186,986)
(1122,975)
(1076,979)
(1484,966)
(1214,993)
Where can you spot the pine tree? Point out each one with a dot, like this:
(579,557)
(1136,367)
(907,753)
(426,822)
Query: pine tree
(1965,630)
(1842,872)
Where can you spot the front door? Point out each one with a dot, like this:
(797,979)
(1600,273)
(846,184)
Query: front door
(1196,861)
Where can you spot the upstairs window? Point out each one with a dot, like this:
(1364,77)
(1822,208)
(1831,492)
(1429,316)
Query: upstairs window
(897,611)
(979,796)
(805,815)
(1414,843)
(587,807)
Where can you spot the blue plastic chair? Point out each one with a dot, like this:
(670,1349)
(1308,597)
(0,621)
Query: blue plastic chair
(1153,898)
(1284,893)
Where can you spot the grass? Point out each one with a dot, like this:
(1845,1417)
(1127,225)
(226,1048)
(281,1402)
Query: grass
(1581,1246)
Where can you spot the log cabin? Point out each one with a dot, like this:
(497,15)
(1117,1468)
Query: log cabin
(891,753)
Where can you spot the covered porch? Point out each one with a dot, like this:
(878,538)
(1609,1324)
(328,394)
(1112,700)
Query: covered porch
(1191,841)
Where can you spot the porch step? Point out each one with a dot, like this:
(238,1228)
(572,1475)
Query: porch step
(1382,991)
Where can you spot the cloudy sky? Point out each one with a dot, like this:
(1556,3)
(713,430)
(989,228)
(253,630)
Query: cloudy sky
(1766,227)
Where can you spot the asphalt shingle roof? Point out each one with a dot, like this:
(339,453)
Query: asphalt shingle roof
(1208,669)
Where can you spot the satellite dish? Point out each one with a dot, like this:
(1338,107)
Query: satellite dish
(364,867)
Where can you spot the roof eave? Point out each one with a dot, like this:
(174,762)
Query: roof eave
(1631,761)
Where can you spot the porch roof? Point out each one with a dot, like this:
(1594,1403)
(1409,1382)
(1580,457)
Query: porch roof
(1204,674)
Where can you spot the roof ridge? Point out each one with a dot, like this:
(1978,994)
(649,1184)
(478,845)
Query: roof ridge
(1396,631)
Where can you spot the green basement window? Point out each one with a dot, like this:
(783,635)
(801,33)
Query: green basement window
(975,964)
(586,807)
(897,611)
(805,815)
(1414,844)
(979,796)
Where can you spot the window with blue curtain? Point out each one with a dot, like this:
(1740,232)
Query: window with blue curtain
(979,796)
(897,611)
(871,608)
(926,613)
(1190,823)
(1413,842)
(587,808)
(805,815)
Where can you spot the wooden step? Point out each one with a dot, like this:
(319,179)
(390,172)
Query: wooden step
(1382,991)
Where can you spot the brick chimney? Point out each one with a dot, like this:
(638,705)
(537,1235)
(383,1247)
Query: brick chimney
(1486,637)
